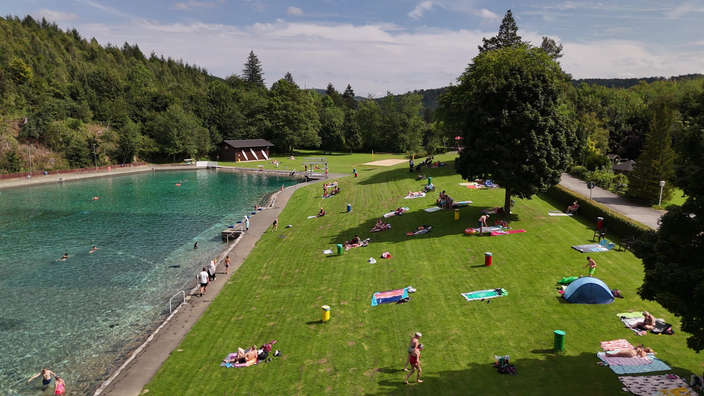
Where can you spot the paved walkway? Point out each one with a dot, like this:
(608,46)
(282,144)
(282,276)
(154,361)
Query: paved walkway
(140,371)
(641,214)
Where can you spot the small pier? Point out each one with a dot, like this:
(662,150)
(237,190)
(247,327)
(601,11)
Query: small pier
(229,234)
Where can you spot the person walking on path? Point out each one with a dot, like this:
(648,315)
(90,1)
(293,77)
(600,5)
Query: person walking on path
(246,223)
(211,271)
(592,266)
(59,386)
(46,377)
(415,363)
(412,346)
(203,280)
(228,263)
(275,226)
(482,223)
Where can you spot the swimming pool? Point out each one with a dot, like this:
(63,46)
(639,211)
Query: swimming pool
(79,317)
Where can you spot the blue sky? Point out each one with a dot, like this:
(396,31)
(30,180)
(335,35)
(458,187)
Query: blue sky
(380,46)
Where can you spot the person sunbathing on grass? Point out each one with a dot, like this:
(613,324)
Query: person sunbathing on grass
(321,213)
(380,226)
(244,356)
(354,241)
(413,194)
(573,208)
(647,324)
(638,351)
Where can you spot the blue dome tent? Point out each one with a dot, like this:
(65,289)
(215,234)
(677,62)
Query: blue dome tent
(588,290)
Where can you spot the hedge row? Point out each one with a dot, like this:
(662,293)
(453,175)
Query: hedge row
(614,221)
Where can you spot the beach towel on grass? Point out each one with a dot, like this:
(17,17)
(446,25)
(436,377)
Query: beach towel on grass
(312,217)
(433,209)
(461,203)
(391,214)
(628,315)
(603,246)
(648,384)
(485,230)
(504,232)
(558,213)
(327,251)
(414,196)
(231,356)
(484,294)
(389,296)
(616,345)
(655,365)
(622,361)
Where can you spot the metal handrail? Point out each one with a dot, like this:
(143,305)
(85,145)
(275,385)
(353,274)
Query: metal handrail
(172,297)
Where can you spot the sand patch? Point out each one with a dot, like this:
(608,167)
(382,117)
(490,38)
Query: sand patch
(387,162)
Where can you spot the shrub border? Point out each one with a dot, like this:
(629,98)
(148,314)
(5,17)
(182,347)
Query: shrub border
(615,222)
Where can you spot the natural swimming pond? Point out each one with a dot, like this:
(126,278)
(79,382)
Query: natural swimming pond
(79,316)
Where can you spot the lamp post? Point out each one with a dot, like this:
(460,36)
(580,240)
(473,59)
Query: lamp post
(95,158)
(662,184)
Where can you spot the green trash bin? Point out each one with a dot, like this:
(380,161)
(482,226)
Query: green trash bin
(559,340)
(340,249)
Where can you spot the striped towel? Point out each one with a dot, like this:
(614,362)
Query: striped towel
(616,345)
(623,361)
(655,365)
(648,384)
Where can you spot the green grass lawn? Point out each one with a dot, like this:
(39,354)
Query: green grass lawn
(338,162)
(278,292)
(678,198)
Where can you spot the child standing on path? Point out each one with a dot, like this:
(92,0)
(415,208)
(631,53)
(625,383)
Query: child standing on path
(592,266)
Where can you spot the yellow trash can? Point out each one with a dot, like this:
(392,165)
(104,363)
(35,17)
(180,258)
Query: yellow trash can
(457,214)
(326,312)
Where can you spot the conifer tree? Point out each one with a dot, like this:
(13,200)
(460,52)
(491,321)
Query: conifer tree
(656,162)
(552,48)
(507,37)
(349,99)
(252,72)
(288,77)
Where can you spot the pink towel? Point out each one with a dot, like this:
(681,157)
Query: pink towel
(616,345)
(624,361)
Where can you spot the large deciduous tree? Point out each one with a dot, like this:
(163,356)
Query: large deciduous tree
(656,161)
(507,37)
(293,118)
(331,126)
(252,72)
(673,257)
(509,107)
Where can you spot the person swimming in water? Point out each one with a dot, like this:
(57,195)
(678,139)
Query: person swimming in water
(195,246)
(63,258)
(46,377)
(94,249)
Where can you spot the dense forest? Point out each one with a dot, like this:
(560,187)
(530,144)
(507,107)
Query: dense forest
(67,101)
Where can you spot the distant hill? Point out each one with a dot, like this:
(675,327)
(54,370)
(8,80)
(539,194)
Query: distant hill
(630,82)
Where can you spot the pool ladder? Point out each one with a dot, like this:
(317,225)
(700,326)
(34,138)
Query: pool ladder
(183,301)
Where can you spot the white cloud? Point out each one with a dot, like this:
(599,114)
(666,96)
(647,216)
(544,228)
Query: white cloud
(375,57)
(684,9)
(294,11)
(181,6)
(488,15)
(56,16)
(421,9)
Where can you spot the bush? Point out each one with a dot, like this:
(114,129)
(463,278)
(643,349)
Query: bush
(579,172)
(597,161)
(614,221)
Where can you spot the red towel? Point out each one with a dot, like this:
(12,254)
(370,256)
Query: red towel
(616,345)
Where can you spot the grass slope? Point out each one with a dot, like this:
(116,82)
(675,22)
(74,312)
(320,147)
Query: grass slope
(277,294)
(338,162)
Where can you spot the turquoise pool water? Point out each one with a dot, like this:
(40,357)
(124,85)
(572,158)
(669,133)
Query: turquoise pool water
(79,317)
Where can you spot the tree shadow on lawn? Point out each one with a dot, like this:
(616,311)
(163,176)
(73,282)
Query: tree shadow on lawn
(443,224)
(551,374)
(402,173)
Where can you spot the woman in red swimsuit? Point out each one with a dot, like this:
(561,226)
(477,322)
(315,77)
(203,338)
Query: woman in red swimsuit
(415,363)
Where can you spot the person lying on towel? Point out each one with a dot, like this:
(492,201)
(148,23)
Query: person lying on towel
(321,213)
(399,211)
(414,194)
(354,241)
(638,351)
(380,226)
(647,324)
(244,356)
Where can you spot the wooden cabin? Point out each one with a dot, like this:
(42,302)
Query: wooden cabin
(244,150)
